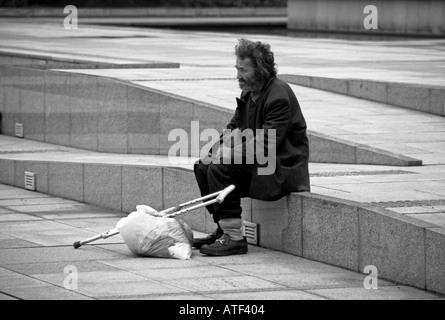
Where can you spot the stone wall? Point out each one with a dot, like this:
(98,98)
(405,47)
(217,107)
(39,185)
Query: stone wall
(429,99)
(146,12)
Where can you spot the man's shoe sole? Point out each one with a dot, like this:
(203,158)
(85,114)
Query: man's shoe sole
(223,253)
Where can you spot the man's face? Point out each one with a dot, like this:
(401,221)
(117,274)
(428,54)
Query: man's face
(246,75)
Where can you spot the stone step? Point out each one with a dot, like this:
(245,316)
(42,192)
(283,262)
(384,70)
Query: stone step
(110,115)
(50,60)
(425,98)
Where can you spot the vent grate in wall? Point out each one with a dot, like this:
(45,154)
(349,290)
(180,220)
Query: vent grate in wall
(250,231)
(19,130)
(30,181)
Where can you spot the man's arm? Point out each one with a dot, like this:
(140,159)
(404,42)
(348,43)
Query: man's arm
(235,121)
(232,125)
(277,118)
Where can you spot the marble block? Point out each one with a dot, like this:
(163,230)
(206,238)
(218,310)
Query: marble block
(143,121)
(32,103)
(394,244)
(102,185)
(57,108)
(66,180)
(84,112)
(113,116)
(141,185)
(330,231)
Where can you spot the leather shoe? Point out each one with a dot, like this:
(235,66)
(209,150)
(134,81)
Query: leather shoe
(210,239)
(225,246)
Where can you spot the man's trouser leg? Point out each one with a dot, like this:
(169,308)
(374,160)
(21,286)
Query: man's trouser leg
(213,178)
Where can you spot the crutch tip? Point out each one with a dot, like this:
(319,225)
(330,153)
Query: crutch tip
(77,244)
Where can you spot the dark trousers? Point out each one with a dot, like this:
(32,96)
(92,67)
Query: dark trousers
(215,177)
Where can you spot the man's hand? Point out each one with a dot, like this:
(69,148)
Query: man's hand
(225,150)
(236,135)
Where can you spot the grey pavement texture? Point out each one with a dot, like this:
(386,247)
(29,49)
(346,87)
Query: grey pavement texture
(406,60)
(37,261)
(37,230)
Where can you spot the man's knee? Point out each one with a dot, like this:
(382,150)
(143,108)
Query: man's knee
(216,170)
(199,167)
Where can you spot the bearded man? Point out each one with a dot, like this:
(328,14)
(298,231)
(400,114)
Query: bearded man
(269,109)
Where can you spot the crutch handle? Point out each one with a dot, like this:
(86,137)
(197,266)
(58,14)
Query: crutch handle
(224,193)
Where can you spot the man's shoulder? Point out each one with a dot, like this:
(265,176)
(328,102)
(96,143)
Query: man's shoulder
(279,89)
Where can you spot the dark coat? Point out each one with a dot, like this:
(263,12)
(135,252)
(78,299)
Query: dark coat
(277,108)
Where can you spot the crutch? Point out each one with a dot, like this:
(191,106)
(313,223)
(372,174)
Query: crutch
(169,213)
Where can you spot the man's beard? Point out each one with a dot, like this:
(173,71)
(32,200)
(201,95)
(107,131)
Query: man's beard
(252,84)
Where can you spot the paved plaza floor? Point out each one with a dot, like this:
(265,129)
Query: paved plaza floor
(37,261)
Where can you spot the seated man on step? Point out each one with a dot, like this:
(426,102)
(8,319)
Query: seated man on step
(267,124)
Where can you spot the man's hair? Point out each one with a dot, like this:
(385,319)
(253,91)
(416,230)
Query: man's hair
(260,55)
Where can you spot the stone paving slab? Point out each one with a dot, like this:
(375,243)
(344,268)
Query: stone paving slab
(4,297)
(35,201)
(130,288)
(269,295)
(16,243)
(56,268)
(133,263)
(45,292)
(225,284)
(5,216)
(76,215)
(382,293)
(96,224)
(92,277)
(159,296)
(8,194)
(54,254)
(434,218)
(46,232)
(46,208)
(171,274)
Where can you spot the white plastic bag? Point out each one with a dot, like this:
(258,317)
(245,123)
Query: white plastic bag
(147,234)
